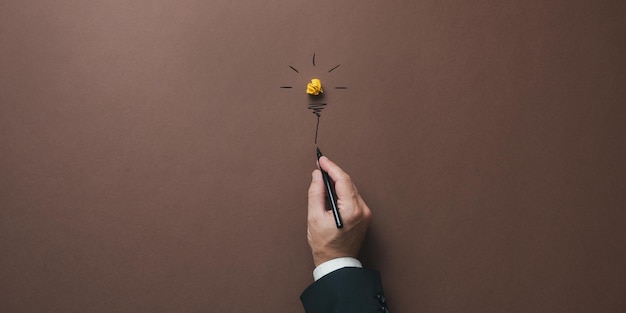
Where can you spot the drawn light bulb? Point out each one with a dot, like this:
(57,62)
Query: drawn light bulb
(316,92)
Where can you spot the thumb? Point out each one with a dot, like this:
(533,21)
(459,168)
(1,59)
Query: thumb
(317,200)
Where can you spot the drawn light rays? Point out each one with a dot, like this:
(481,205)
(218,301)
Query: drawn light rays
(316,107)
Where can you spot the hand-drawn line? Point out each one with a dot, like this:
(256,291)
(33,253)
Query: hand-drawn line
(332,69)
(289,87)
(317,108)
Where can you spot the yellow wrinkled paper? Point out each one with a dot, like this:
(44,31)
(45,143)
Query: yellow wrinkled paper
(314,87)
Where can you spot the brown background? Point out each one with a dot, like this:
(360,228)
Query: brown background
(151,163)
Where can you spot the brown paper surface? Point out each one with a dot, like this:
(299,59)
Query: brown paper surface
(150,161)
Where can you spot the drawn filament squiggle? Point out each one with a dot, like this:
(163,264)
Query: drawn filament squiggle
(317,108)
(316,93)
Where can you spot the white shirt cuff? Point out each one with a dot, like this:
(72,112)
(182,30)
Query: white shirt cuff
(333,265)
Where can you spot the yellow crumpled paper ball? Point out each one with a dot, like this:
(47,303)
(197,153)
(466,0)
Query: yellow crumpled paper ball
(314,87)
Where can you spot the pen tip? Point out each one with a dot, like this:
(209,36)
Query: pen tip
(319,153)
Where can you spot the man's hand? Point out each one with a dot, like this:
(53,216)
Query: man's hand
(326,240)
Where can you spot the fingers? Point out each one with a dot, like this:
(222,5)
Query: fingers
(344,187)
(328,242)
(335,172)
(351,205)
(317,193)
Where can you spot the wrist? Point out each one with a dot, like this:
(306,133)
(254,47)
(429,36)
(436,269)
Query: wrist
(321,258)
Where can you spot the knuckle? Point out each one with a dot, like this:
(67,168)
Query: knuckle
(314,192)
(367,214)
(346,177)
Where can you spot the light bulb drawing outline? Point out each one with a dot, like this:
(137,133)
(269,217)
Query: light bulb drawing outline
(316,107)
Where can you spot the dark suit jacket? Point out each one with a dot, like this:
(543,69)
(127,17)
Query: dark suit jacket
(347,290)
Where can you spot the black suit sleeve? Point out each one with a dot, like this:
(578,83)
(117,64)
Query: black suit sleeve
(347,290)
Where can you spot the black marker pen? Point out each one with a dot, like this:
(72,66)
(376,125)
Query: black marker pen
(331,193)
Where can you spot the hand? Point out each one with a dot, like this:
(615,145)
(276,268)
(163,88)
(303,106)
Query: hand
(326,240)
